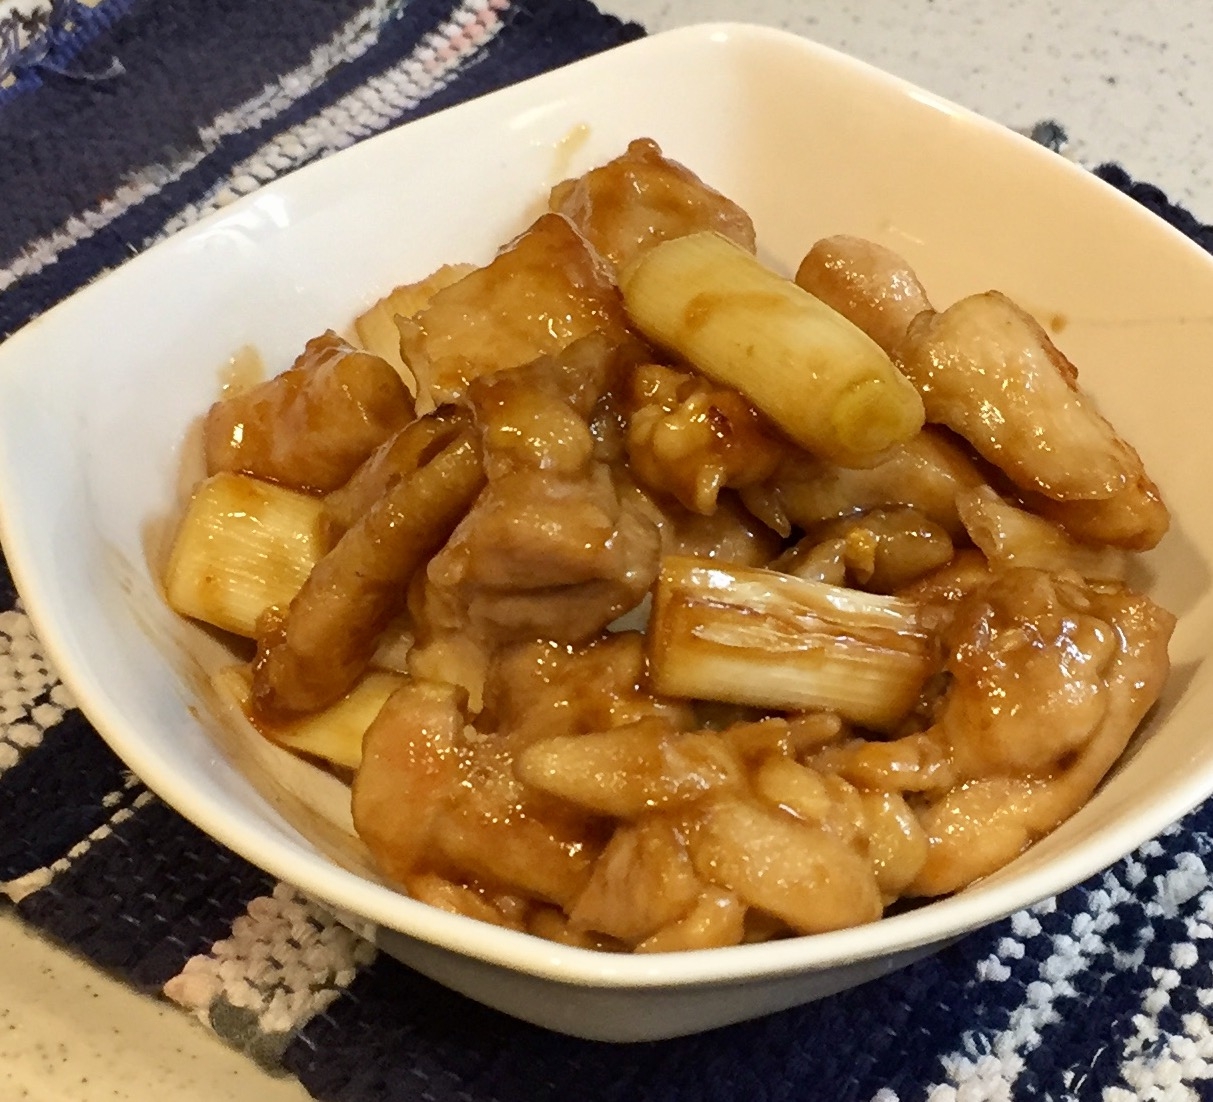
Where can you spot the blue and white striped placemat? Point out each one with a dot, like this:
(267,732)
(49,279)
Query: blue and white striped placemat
(122,120)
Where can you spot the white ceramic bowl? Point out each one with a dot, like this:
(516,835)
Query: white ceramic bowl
(103,391)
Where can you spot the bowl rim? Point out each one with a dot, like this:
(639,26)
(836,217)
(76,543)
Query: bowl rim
(358,900)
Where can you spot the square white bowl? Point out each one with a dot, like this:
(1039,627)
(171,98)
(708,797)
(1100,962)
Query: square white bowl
(97,400)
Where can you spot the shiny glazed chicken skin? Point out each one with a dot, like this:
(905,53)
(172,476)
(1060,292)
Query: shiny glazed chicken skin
(651,601)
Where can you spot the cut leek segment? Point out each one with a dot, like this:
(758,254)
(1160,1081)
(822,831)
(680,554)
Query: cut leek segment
(376,327)
(335,733)
(242,546)
(752,636)
(827,384)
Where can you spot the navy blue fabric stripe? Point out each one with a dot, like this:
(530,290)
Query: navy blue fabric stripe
(71,28)
(1095,1018)
(53,796)
(184,63)
(115,243)
(397,1037)
(1156,200)
(67,53)
(147,897)
(8,588)
(1098,1020)
(895,1029)
(528,48)
(541,36)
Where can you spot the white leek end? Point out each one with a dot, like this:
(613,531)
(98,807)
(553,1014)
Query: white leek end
(825,382)
(758,637)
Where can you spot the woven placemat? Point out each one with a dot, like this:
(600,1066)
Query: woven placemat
(121,120)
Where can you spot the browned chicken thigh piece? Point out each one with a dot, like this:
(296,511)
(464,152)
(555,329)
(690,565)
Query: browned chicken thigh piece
(879,550)
(537,690)
(442,808)
(729,534)
(987,370)
(642,198)
(545,415)
(543,291)
(550,549)
(868,284)
(690,438)
(310,427)
(1134,518)
(643,882)
(433,804)
(545,557)
(397,457)
(926,473)
(1050,677)
(505,834)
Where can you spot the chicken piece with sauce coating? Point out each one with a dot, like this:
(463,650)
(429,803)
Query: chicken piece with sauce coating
(548,414)
(881,550)
(544,290)
(691,438)
(1050,677)
(729,534)
(986,369)
(536,690)
(443,809)
(550,549)
(642,198)
(926,474)
(544,556)
(1135,518)
(310,427)
(376,327)
(397,457)
(868,284)
(428,800)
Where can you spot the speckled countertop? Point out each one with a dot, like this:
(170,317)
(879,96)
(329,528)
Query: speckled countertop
(1130,80)
(69,1033)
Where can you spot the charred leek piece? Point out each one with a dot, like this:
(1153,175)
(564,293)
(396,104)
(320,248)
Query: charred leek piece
(752,636)
(826,383)
(242,546)
(334,733)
